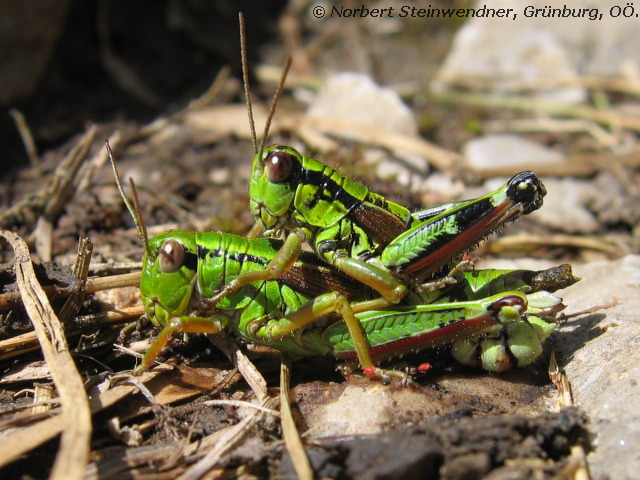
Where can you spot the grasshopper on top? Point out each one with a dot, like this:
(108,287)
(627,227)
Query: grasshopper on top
(378,242)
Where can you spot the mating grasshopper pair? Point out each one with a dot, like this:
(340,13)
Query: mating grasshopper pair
(270,292)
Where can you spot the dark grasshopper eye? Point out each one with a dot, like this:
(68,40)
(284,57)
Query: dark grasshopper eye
(171,256)
(278,166)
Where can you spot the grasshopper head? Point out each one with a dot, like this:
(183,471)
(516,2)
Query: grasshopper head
(274,179)
(169,274)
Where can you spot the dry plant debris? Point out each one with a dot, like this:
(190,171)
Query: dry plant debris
(189,418)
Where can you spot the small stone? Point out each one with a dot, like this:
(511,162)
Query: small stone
(497,151)
(220,176)
(565,206)
(356,99)
(388,170)
(440,188)
(601,351)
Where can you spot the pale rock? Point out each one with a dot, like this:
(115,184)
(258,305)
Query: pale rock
(565,206)
(496,151)
(601,352)
(356,99)
(387,170)
(501,53)
(504,54)
(444,185)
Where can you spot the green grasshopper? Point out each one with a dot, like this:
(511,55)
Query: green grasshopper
(296,313)
(494,319)
(362,234)
(378,242)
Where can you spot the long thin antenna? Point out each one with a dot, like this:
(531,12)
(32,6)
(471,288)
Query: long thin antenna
(135,212)
(136,203)
(274,104)
(247,95)
(245,80)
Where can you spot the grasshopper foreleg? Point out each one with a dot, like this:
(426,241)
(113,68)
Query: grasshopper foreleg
(186,324)
(279,264)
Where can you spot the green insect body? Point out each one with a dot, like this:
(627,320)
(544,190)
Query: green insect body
(297,312)
(504,347)
(427,244)
(478,284)
(511,344)
(399,329)
(182,270)
(377,242)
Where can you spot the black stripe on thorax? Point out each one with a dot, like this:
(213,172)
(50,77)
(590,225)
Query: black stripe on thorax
(191,261)
(326,185)
(241,257)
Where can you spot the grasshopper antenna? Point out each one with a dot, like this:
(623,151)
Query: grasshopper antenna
(134,209)
(274,104)
(245,79)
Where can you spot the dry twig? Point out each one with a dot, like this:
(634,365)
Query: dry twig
(248,370)
(60,190)
(292,439)
(80,270)
(561,382)
(525,241)
(74,450)
(606,117)
(27,137)
(93,284)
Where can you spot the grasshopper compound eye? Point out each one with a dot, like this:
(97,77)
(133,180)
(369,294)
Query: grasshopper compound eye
(171,256)
(278,166)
